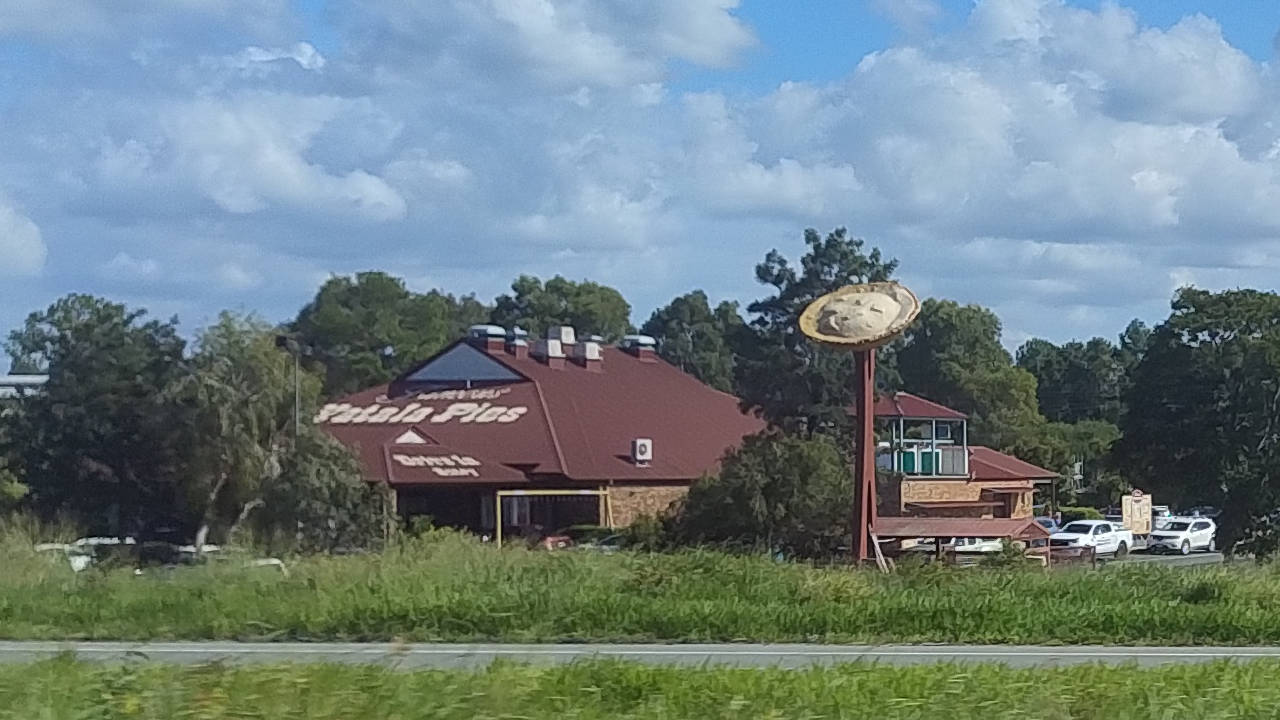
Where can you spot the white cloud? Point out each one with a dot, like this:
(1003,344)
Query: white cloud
(913,16)
(22,248)
(250,152)
(125,266)
(254,60)
(233,276)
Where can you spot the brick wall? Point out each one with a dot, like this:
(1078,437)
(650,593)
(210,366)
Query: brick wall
(631,501)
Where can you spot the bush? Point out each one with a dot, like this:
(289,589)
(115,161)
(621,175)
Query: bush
(1071,514)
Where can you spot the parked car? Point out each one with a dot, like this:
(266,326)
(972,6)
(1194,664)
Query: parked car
(1104,536)
(1049,524)
(959,544)
(1206,511)
(1184,535)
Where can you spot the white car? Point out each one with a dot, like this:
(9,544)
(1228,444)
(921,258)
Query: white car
(1183,535)
(1104,536)
(960,544)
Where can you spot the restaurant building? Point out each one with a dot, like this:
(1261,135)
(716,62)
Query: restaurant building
(536,436)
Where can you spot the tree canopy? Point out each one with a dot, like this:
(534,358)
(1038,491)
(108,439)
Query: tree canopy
(1203,420)
(368,329)
(790,380)
(696,338)
(591,308)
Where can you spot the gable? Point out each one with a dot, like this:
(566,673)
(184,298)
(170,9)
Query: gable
(463,365)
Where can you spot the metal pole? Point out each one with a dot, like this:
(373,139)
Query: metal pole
(864,476)
(297,396)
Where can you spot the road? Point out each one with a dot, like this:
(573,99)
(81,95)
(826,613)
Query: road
(1197,558)
(480,655)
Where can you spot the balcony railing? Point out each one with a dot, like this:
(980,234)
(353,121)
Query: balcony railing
(925,459)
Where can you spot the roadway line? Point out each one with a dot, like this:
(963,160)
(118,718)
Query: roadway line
(479,655)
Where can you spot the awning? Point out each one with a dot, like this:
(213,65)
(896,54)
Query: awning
(913,527)
(429,464)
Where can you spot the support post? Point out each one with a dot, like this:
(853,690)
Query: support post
(864,475)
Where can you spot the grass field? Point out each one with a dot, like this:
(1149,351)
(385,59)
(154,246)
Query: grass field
(65,689)
(451,588)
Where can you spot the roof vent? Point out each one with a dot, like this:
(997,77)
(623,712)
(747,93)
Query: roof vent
(551,351)
(640,346)
(563,333)
(588,354)
(490,338)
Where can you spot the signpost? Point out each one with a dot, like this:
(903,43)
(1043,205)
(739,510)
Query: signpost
(861,318)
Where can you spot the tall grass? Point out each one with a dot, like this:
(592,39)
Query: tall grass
(452,588)
(599,690)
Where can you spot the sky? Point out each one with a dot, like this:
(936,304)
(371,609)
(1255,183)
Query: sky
(1068,164)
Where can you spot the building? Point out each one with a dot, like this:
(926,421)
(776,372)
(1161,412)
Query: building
(559,432)
(12,386)
(942,475)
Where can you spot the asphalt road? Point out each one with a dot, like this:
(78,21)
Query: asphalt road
(1196,558)
(472,656)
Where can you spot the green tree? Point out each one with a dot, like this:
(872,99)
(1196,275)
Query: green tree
(1203,420)
(100,442)
(589,307)
(791,381)
(952,355)
(776,492)
(251,455)
(368,329)
(697,339)
(1076,381)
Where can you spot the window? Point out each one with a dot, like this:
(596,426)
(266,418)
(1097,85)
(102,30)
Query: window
(1102,530)
(515,511)
(1200,526)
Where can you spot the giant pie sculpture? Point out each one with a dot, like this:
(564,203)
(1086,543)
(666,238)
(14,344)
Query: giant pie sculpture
(861,318)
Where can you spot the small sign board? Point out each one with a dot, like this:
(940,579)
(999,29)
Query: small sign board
(1135,510)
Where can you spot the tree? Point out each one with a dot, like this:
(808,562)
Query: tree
(1076,381)
(776,492)
(100,442)
(251,456)
(791,381)
(952,355)
(589,307)
(368,329)
(1203,419)
(697,339)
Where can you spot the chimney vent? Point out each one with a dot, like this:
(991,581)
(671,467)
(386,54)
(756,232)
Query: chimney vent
(642,451)
(551,351)
(588,354)
(641,346)
(563,333)
(518,343)
(490,338)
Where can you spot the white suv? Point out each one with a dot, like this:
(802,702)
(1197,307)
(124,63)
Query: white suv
(1182,535)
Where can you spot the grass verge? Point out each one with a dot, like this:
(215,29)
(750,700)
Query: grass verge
(66,689)
(451,588)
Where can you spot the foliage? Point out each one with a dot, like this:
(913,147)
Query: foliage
(606,690)
(12,490)
(448,587)
(368,329)
(791,381)
(100,442)
(319,501)
(1076,381)
(589,307)
(777,492)
(697,339)
(1070,514)
(1010,556)
(1203,425)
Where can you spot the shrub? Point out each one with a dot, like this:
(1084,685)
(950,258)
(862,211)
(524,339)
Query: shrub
(1070,514)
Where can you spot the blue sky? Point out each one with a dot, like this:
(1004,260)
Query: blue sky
(1067,164)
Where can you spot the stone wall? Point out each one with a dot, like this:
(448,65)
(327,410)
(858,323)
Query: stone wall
(632,501)
(918,489)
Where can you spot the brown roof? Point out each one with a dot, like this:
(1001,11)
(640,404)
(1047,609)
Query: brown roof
(438,464)
(954,503)
(906,405)
(988,464)
(570,421)
(912,527)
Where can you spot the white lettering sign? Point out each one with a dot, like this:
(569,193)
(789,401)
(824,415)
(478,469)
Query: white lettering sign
(442,465)
(413,413)
(474,394)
